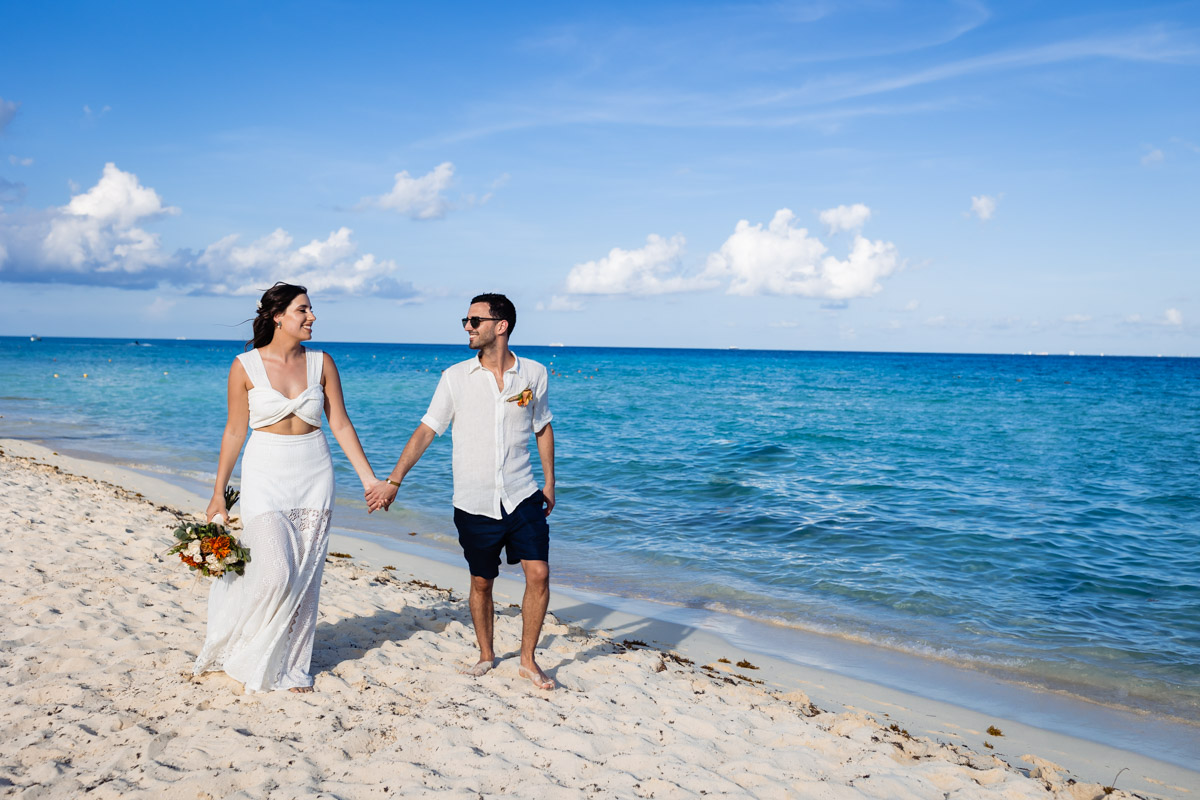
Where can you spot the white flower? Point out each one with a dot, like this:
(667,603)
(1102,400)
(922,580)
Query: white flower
(211,559)
(231,558)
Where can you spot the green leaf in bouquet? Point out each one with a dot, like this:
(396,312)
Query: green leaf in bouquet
(231,497)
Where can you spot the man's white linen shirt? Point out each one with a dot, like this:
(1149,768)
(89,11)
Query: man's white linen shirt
(491,432)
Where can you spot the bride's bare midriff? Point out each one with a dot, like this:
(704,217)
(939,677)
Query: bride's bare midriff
(289,426)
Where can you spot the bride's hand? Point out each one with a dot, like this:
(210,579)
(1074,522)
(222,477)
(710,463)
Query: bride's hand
(372,504)
(379,494)
(216,507)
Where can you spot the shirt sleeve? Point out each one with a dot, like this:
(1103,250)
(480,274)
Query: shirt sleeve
(541,402)
(441,407)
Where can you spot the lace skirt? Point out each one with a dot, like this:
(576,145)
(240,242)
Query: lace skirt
(261,624)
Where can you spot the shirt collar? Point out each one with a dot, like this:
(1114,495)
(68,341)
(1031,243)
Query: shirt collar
(477,365)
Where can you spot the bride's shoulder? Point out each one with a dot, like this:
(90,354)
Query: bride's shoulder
(321,359)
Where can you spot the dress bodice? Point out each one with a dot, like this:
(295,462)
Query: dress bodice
(268,405)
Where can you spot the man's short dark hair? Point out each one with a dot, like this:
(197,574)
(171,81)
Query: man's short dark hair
(501,308)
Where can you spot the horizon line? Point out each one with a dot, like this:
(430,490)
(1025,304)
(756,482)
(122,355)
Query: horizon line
(563,346)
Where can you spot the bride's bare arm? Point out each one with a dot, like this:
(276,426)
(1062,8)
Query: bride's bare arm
(342,427)
(236,420)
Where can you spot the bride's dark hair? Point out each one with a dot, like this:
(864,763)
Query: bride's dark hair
(274,301)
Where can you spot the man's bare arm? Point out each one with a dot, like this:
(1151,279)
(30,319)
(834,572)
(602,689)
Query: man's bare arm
(545,446)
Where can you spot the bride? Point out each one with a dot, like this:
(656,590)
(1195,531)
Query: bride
(261,624)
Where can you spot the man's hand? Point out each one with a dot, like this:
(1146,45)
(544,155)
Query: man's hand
(379,495)
(548,493)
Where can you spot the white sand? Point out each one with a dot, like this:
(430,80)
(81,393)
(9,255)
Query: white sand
(97,695)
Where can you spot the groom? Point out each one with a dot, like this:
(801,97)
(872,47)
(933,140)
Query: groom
(494,401)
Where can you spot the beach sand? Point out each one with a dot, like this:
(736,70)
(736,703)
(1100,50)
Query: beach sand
(98,696)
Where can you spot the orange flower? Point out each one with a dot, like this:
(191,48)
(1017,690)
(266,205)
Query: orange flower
(220,546)
(523,399)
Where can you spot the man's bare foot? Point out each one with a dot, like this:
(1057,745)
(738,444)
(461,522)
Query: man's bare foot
(539,679)
(479,670)
(301,689)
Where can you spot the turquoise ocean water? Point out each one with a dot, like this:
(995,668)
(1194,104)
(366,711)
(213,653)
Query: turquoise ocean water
(1034,518)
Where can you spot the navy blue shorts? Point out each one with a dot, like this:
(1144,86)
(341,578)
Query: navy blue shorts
(524,535)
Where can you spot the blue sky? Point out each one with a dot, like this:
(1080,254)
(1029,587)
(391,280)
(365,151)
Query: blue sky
(955,177)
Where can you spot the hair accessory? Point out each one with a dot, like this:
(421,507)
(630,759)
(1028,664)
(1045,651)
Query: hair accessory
(259,305)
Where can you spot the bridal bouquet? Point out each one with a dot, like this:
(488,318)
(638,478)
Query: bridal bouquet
(210,548)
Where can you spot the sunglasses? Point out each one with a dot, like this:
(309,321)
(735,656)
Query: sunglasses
(476,320)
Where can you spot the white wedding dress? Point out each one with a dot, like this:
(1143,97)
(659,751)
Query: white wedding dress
(261,624)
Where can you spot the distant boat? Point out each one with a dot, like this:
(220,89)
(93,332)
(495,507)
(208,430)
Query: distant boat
(556,344)
(35,338)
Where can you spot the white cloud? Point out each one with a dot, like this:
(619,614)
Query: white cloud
(98,239)
(419,198)
(785,260)
(846,218)
(560,303)
(118,199)
(8,110)
(653,269)
(1134,319)
(20,162)
(912,305)
(100,228)
(1152,156)
(1173,316)
(329,266)
(983,206)
(1077,318)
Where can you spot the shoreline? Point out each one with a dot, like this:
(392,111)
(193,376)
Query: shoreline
(702,641)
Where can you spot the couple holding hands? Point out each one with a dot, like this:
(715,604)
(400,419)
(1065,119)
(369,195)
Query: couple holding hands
(261,624)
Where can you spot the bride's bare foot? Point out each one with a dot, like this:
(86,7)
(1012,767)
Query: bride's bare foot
(479,670)
(301,689)
(539,679)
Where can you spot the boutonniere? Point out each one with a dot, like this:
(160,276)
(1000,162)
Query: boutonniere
(523,398)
